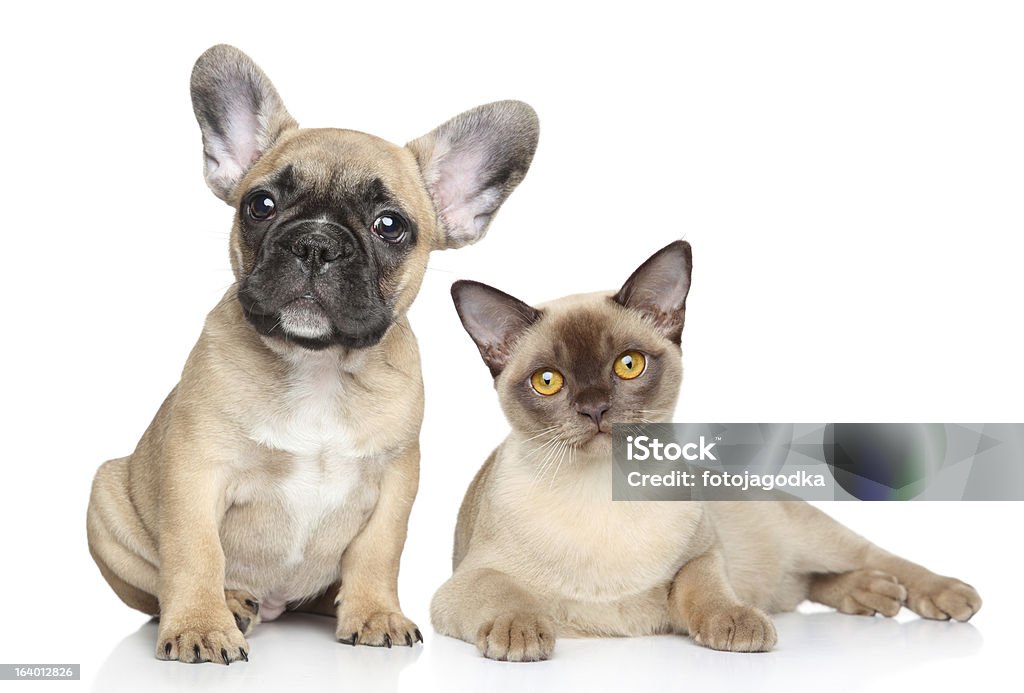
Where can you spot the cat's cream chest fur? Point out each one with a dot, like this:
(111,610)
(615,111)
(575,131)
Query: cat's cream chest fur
(564,532)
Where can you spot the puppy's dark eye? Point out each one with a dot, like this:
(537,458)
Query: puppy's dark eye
(390,228)
(261,206)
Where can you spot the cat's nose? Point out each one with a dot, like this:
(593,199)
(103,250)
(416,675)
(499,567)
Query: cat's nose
(595,411)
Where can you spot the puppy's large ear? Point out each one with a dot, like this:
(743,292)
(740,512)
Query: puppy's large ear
(239,112)
(493,319)
(471,164)
(658,289)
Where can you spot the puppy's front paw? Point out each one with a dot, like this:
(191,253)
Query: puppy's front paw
(516,637)
(201,636)
(943,598)
(370,624)
(734,628)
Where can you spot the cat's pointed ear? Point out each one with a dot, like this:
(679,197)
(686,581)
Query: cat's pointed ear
(240,114)
(472,163)
(658,289)
(493,319)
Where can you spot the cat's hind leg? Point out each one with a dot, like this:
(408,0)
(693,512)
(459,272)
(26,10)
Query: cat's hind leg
(862,592)
(827,547)
(928,595)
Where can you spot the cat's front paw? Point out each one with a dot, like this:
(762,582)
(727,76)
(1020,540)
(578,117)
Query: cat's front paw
(517,637)
(943,598)
(734,628)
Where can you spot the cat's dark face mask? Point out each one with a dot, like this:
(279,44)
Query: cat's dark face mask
(569,370)
(582,370)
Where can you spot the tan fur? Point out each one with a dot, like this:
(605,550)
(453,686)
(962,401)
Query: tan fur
(201,477)
(540,555)
(276,476)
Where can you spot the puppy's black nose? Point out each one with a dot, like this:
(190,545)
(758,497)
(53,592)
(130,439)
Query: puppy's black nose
(316,249)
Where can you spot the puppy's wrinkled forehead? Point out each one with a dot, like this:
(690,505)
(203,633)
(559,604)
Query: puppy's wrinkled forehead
(342,168)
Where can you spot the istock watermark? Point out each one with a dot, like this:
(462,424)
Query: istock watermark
(835,461)
(642,448)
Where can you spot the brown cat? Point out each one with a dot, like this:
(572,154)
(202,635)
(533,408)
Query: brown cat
(541,550)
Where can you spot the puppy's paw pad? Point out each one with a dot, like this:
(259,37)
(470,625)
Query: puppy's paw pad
(200,639)
(377,628)
(944,598)
(515,637)
(734,629)
(245,608)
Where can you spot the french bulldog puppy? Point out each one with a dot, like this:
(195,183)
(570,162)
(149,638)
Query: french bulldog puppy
(280,471)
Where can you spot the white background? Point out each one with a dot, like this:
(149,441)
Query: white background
(850,178)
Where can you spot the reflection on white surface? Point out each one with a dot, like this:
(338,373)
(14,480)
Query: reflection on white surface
(295,653)
(298,652)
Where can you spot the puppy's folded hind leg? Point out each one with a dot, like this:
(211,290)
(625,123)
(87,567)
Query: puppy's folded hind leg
(245,608)
(123,550)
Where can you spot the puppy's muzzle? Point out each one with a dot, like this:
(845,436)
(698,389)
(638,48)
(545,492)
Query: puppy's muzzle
(319,245)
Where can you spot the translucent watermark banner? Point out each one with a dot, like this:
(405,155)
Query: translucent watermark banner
(813,461)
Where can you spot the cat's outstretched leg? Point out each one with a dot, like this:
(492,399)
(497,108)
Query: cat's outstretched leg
(859,592)
(928,595)
(828,547)
(486,608)
(703,604)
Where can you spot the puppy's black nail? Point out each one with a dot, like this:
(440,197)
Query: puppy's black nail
(224,656)
(408,639)
(244,654)
(419,635)
(167,650)
(255,606)
(387,641)
(242,622)
(195,651)
(355,637)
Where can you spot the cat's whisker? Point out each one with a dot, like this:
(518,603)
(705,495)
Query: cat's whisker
(561,458)
(552,432)
(539,448)
(544,449)
(545,464)
(556,458)
(549,461)
(545,431)
(656,412)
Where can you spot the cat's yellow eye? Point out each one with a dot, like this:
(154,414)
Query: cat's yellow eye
(546,381)
(630,364)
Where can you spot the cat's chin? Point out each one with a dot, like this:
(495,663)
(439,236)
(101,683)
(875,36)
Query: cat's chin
(597,442)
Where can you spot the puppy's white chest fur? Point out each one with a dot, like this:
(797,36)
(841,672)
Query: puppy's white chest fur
(312,486)
(324,463)
(308,419)
(317,487)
